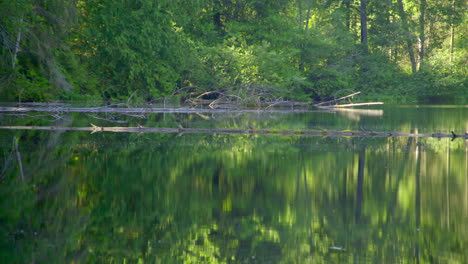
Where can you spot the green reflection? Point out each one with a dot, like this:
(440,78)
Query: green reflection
(151,198)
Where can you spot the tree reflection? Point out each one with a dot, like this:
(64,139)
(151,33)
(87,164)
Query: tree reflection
(235,199)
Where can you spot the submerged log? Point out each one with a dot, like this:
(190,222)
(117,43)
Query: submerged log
(283,132)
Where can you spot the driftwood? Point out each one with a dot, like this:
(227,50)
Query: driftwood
(225,103)
(282,132)
(350,105)
(328,104)
(338,99)
(147,110)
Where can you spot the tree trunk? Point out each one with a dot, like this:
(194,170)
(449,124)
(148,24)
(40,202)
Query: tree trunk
(422,35)
(408,37)
(309,9)
(364,23)
(347,6)
(17,45)
(388,20)
(452,33)
(300,19)
(452,40)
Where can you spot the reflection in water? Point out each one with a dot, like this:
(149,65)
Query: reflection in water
(355,114)
(418,201)
(163,198)
(360,183)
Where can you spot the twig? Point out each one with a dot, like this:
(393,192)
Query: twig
(186,88)
(277,101)
(203,116)
(208,93)
(211,105)
(106,119)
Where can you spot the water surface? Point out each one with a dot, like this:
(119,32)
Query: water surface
(210,198)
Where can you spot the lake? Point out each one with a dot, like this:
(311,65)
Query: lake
(104,197)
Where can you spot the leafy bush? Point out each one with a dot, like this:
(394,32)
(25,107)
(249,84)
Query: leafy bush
(27,86)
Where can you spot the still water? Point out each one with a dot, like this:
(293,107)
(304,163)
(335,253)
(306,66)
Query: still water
(76,197)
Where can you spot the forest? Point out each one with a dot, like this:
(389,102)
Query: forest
(302,50)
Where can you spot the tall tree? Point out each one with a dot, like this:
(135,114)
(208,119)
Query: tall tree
(35,43)
(347,6)
(422,35)
(364,23)
(304,9)
(12,14)
(452,31)
(408,35)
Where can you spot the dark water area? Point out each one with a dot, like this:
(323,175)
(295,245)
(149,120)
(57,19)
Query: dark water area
(80,197)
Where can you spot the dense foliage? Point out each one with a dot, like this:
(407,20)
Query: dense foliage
(296,49)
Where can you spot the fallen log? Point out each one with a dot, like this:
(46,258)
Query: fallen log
(147,110)
(324,105)
(284,132)
(351,105)
(338,99)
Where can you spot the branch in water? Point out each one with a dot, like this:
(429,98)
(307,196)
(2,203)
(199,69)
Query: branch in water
(283,132)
